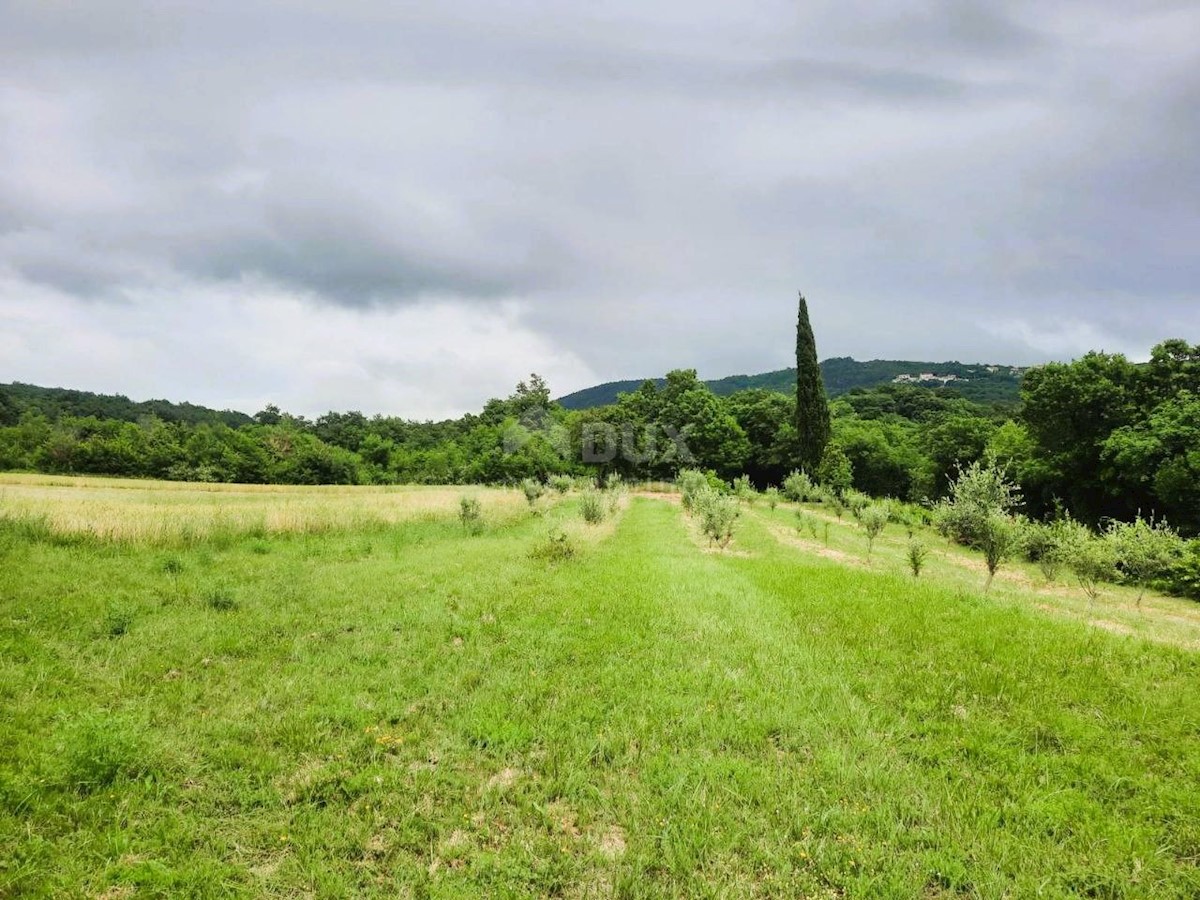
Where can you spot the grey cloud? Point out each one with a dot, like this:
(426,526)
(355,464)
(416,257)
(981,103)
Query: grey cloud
(649,184)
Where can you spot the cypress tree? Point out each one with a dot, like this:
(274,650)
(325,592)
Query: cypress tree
(812,406)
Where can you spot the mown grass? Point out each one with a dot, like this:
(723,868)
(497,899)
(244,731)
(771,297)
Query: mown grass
(408,710)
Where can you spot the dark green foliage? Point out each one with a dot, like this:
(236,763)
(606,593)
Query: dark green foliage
(1183,579)
(835,473)
(812,405)
(18,399)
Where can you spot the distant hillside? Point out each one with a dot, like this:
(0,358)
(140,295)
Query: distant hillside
(54,403)
(979,382)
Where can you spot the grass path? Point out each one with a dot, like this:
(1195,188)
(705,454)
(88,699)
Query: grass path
(409,711)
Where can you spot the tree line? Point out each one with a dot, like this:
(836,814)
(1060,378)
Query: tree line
(1101,437)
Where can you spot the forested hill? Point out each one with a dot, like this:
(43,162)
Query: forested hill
(978,382)
(56,403)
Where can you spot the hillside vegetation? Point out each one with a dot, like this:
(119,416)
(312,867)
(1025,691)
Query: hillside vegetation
(981,383)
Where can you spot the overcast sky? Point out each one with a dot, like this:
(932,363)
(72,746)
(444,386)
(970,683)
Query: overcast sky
(404,207)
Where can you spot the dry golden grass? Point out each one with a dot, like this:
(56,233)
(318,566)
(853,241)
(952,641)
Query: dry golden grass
(158,511)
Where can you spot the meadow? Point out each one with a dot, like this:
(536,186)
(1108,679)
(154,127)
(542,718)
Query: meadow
(225,691)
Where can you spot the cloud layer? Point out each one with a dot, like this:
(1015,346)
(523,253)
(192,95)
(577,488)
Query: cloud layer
(400,209)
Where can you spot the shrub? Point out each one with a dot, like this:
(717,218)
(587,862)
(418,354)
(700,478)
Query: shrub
(1091,559)
(533,490)
(798,487)
(772,496)
(562,483)
(1045,544)
(614,495)
(718,513)
(1144,551)
(691,482)
(977,495)
(557,546)
(805,522)
(999,537)
(1184,577)
(856,502)
(837,504)
(470,514)
(874,519)
(744,490)
(591,506)
(917,554)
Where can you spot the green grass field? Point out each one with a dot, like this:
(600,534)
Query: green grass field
(387,706)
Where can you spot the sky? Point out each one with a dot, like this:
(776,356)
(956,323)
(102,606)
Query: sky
(404,208)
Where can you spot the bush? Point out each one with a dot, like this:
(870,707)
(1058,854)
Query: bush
(1091,559)
(856,502)
(799,488)
(772,496)
(744,490)
(557,546)
(533,490)
(562,483)
(977,495)
(1144,551)
(805,522)
(691,482)
(874,519)
(999,537)
(917,554)
(718,513)
(591,506)
(614,496)
(837,504)
(470,514)
(1046,545)
(1184,578)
